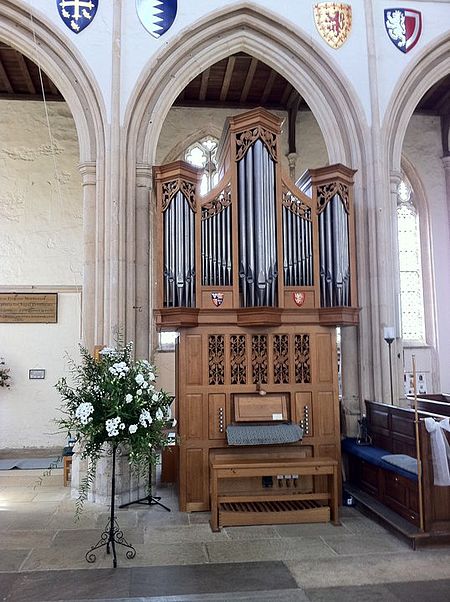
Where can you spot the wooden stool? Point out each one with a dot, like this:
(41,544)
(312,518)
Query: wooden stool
(67,469)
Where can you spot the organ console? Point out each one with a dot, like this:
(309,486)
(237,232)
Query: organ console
(255,276)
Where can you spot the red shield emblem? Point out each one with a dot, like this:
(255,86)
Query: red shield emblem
(217,299)
(299,298)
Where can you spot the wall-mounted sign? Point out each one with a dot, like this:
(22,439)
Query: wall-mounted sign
(32,308)
(36,374)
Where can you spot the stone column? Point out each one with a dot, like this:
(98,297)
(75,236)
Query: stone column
(446,163)
(351,400)
(144,271)
(89,308)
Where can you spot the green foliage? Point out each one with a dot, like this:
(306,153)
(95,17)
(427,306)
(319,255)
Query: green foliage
(113,400)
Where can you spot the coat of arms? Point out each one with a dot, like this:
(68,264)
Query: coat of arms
(333,21)
(217,299)
(77,14)
(403,26)
(299,298)
(156,16)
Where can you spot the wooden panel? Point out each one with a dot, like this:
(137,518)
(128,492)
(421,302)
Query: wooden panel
(192,417)
(325,414)
(194,358)
(303,412)
(196,492)
(258,408)
(328,451)
(218,418)
(324,358)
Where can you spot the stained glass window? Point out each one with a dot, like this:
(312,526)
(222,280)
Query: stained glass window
(203,154)
(411,288)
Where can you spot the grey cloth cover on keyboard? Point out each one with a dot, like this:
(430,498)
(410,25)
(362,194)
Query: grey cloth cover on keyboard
(270,434)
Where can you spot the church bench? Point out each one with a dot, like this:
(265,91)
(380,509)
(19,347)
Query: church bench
(392,430)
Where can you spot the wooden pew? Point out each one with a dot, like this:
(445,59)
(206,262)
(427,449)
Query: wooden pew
(392,429)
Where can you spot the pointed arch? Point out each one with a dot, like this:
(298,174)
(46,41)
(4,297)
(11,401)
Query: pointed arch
(431,65)
(34,36)
(266,37)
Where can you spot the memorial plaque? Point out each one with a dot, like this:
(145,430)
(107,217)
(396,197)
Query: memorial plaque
(31,308)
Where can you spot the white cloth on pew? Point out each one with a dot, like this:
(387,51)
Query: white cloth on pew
(440,450)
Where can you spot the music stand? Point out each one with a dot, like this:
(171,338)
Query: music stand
(148,500)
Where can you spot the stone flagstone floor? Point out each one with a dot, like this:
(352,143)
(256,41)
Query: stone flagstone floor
(359,560)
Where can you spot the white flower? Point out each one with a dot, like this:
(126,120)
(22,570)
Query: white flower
(139,392)
(128,398)
(145,385)
(155,396)
(133,428)
(145,418)
(83,412)
(111,426)
(151,376)
(121,426)
(108,351)
(159,414)
(139,379)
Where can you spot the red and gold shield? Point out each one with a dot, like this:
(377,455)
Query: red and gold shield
(333,21)
(299,298)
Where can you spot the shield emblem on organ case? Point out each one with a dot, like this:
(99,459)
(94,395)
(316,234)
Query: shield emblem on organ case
(333,22)
(157,16)
(77,14)
(299,298)
(403,26)
(217,299)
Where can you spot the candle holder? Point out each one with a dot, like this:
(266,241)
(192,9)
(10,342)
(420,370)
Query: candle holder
(389,337)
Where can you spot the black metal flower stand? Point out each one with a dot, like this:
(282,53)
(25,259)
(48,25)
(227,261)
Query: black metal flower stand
(112,534)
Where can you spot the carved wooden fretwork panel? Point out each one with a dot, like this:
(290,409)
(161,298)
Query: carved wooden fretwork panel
(295,205)
(237,358)
(259,359)
(302,359)
(216,359)
(280,359)
(169,190)
(326,192)
(244,140)
(218,204)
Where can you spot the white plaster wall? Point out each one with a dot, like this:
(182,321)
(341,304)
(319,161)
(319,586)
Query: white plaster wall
(423,148)
(28,407)
(40,196)
(182,125)
(40,251)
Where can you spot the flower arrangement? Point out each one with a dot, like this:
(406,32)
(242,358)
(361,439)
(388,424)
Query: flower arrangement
(114,401)
(4,374)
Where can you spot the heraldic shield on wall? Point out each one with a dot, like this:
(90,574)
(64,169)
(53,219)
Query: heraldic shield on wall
(157,16)
(77,14)
(403,26)
(333,21)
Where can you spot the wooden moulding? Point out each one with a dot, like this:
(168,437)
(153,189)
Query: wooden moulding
(177,317)
(259,316)
(339,316)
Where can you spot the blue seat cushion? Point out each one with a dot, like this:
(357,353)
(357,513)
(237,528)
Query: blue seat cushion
(374,455)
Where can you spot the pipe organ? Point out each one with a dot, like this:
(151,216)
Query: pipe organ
(255,276)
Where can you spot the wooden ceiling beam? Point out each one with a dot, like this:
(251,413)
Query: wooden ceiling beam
(249,79)
(53,89)
(286,94)
(443,104)
(268,87)
(204,84)
(5,79)
(227,78)
(26,73)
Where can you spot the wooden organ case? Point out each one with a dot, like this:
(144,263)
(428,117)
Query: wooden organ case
(255,277)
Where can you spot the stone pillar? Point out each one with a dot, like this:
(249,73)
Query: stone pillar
(144,271)
(446,163)
(89,306)
(351,400)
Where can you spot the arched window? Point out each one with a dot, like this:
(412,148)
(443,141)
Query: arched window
(410,261)
(203,154)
